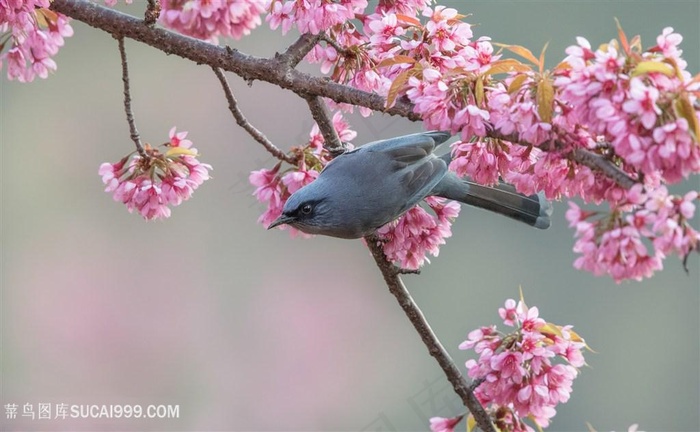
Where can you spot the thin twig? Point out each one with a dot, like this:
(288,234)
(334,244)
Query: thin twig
(245,124)
(127,101)
(320,113)
(435,348)
(298,50)
(332,42)
(602,164)
(152,13)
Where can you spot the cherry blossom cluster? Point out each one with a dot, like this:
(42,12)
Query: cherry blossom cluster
(417,233)
(634,107)
(613,243)
(151,183)
(641,102)
(637,107)
(527,372)
(312,16)
(211,19)
(32,35)
(396,53)
(274,186)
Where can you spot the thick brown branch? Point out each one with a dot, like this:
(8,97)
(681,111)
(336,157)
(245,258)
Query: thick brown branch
(134,133)
(435,348)
(245,124)
(320,113)
(246,66)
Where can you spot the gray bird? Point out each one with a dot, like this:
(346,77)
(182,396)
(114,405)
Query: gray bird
(363,189)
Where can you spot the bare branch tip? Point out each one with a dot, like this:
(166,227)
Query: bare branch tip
(152,13)
(243,122)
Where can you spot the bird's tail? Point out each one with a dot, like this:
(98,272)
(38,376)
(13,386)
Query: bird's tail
(533,210)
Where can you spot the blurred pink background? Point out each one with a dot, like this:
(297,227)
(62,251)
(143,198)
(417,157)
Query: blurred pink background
(247,329)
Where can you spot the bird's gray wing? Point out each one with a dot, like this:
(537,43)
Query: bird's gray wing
(426,139)
(413,169)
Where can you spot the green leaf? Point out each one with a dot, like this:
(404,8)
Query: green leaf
(507,65)
(397,59)
(471,423)
(522,52)
(648,66)
(177,151)
(623,38)
(408,20)
(479,90)
(545,99)
(45,16)
(541,59)
(684,109)
(396,86)
(517,83)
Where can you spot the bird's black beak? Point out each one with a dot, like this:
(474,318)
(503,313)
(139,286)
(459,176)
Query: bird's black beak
(281,221)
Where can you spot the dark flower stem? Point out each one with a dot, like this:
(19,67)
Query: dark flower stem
(134,133)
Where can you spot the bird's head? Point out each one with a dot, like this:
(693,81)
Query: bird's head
(306,210)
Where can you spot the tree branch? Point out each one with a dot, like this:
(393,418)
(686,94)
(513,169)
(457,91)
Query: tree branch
(245,124)
(246,66)
(298,50)
(319,111)
(273,71)
(435,348)
(134,133)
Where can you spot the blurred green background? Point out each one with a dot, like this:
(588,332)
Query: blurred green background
(247,329)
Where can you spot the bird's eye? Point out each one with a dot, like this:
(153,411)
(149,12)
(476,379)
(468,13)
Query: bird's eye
(306,209)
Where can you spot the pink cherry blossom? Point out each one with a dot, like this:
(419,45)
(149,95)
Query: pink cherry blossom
(508,314)
(209,19)
(440,424)
(642,102)
(417,233)
(295,180)
(270,191)
(114,2)
(312,16)
(281,13)
(406,7)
